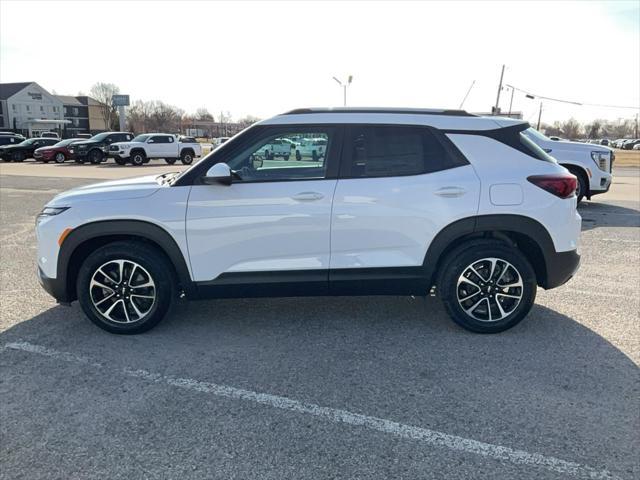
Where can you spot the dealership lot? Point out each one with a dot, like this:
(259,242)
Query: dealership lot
(365,387)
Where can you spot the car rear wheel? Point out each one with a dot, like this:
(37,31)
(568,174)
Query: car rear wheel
(186,158)
(60,157)
(487,286)
(314,156)
(18,156)
(125,287)
(120,161)
(286,158)
(138,158)
(298,155)
(170,161)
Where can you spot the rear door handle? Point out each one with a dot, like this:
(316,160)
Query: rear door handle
(450,192)
(308,196)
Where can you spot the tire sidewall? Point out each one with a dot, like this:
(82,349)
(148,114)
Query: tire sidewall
(186,158)
(137,159)
(460,259)
(151,260)
(59,159)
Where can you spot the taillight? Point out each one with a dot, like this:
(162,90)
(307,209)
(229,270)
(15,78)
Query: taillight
(561,185)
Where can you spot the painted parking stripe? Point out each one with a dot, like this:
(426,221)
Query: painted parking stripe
(424,435)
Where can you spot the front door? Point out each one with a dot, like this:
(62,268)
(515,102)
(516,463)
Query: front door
(272,224)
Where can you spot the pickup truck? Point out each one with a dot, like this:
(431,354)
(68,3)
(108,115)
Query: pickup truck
(311,147)
(591,163)
(96,149)
(156,145)
(279,147)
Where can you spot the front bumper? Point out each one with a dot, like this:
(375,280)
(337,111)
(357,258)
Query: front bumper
(561,266)
(54,287)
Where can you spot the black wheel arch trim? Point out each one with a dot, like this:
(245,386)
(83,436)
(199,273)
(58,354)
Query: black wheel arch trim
(108,228)
(552,275)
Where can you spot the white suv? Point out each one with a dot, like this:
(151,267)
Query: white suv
(401,201)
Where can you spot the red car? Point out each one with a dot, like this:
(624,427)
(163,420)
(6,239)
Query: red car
(58,152)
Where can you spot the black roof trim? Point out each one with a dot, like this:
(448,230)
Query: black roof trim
(405,111)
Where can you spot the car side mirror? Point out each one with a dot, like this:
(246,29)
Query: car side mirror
(219,173)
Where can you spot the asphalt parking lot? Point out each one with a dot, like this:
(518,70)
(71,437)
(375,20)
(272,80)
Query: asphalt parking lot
(314,388)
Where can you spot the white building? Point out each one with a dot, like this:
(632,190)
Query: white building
(29,109)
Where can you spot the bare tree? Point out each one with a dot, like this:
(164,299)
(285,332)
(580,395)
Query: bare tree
(247,121)
(103,92)
(203,114)
(571,128)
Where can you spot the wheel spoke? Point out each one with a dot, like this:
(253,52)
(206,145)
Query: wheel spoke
(470,296)
(517,297)
(477,274)
(473,307)
(95,283)
(110,309)
(133,304)
(105,299)
(465,279)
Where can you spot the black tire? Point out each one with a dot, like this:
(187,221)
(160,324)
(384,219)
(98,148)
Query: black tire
(45,161)
(60,157)
(95,156)
(314,156)
(472,253)
(583,183)
(286,158)
(186,157)
(138,158)
(298,155)
(17,156)
(170,161)
(154,265)
(120,160)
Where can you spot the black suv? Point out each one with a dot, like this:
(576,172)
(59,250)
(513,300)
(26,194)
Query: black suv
(96,149)
(20,150)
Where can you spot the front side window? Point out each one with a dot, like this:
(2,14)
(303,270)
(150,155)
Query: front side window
(387,151)
(289,156)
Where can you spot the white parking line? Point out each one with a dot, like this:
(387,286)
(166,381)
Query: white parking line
(424,435)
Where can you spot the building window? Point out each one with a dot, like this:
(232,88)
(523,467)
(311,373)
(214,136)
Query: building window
(28,108)
(55,109)
(14,107)
(75,111)
(41,108)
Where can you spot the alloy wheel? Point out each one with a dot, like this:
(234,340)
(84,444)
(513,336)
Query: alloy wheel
(122,291)
(489,289)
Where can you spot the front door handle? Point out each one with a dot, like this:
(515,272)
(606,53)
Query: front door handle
(450,192)
(308,196)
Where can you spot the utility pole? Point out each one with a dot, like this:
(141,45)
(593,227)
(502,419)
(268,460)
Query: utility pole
(344,88)
(637,126)
(511,101)
(539,116)
(496,109)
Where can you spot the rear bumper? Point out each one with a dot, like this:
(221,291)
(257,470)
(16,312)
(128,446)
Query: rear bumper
(561,266)
(54,287)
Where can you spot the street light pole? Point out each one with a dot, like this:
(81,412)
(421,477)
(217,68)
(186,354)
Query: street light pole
(344,88)
(496,108)
(539,116)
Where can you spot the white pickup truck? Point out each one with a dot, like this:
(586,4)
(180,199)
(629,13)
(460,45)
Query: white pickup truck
(279,147)
(156,145)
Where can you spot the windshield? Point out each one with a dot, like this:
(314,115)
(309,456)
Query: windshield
(534,134)
(141,138)
(29,141)
(533,147)
(66,142)
(100,137)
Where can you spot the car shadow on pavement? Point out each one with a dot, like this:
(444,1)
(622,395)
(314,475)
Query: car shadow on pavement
(595,215)
(393,357)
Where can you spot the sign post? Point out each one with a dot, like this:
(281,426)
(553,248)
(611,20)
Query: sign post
(120,101)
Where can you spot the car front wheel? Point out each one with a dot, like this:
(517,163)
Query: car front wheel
(60,157)
(487,286)
(138,158)
(125,287)
(95,157)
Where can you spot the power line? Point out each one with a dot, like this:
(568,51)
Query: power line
(582,104)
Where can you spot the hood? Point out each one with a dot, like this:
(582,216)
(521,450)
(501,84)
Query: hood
(587,147)
(126,143)
(86,142)
(47,148)
(13,147)
(127,188)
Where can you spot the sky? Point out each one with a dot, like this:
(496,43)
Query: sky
(264,58)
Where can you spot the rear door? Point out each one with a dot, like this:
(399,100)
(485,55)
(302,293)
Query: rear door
(398,187)
(272,224)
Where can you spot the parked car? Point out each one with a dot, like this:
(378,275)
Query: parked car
(10,139)
(95,149)
(636,146)
(83,135)
(605,141)
(24,149)
(156,145)
(277,148)
(424,198)
(629,144)
(217,142)
(58,152)
(49,135)
(313,148)
(580,159)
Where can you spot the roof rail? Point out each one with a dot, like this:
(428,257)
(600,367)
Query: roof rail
(410,111)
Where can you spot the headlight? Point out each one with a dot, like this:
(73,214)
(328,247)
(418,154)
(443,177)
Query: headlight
(71,150)
(601,159)
(51,211)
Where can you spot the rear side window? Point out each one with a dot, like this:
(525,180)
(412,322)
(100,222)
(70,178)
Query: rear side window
(388,151)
